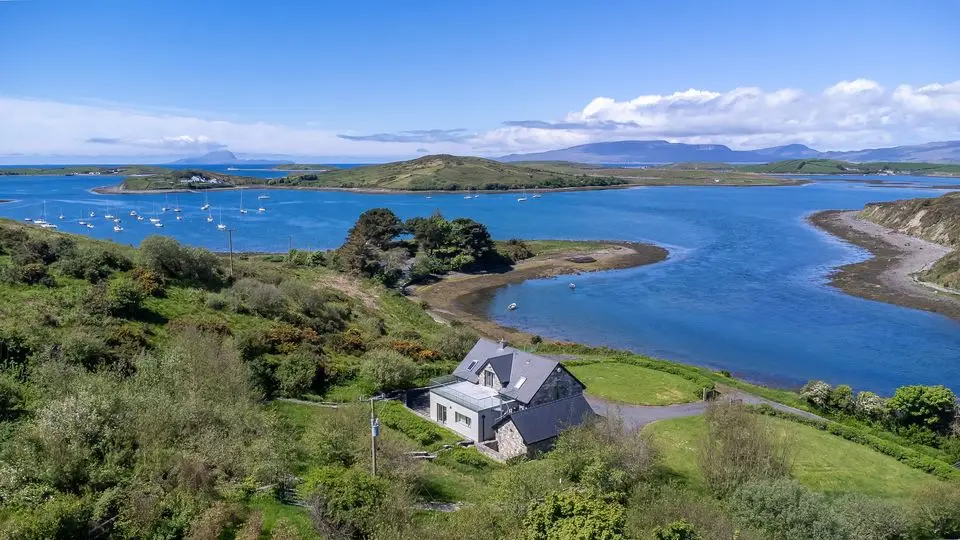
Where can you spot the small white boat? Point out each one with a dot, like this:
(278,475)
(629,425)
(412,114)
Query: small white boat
(242,209)
(166,204)
(206,206)
(28,220)
(48,226)
(261,210)
(117,228)
(154,220)
(263,196)
(82,223)
(139,218)
(521,199)
(108,216)
(221,226)
(177,207)
(179,218)
(209,218)
(572,286)
(116,220)
(89,225)
(158,225)
(133,212)
(61,216)
(429,197)
(93,214)
(537,196)
(512,306)
(40,221)
(468,196)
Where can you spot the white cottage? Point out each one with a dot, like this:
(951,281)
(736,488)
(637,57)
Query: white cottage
(508,400)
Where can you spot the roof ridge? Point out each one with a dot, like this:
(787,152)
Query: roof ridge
(547,403)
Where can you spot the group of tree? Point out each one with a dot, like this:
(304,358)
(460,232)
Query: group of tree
(926,414)
(381,246)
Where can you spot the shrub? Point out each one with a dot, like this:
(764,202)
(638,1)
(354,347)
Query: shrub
(737,448)
(124,297)
(84,348)
(263,299)
(35,274)
(150,282)
(297,372)
(604,455)
(870,406)
(94,264)
(782,508)
(423,432)
(678,530)
(573,514)
(455,343)
(817,393)
(933,407)
(841,398)
(938,510)
(217,301)
(387,369)
(344,501)
(172,260)
(869,518)
(515,250)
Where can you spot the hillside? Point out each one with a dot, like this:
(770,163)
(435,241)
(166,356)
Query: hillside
(447,173)
(164,392)
(936,220)
(174,179)
(832,166)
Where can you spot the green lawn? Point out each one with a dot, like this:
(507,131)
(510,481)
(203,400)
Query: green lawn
(634,384)
(821,461)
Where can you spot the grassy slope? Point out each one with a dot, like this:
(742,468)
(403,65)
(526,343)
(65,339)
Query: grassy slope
(690,174)
(936,219)
(821,461)
(633,384)
(832,166)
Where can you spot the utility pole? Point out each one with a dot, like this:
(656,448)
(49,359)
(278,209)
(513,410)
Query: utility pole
(230,241)
(374,433)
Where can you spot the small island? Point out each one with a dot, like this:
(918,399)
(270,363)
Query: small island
(445,173)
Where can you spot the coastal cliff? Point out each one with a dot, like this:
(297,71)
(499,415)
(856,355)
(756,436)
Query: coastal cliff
(936,220)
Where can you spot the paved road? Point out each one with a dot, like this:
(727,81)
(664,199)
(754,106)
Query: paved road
(637,416)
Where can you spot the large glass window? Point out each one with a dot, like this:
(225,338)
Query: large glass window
(488,379)
(462,418)
(441,413)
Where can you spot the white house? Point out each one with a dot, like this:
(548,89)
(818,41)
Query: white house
(509,401)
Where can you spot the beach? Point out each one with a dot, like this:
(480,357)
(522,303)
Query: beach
(464,297)
(888,276)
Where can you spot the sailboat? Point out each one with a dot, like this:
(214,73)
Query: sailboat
(177,207)
(469,194)
(221,226)
(93,214)
(209,217)
(89,225)
(42,220)
(206,203)
(81,222)
(522,197)
(261,210)
(166,203)
(117,228)
(108,216)
(61,216)
(154,219)
(179,217)
(133,212)
(263,196)
(242,210)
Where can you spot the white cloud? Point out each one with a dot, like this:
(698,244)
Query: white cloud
(848,115)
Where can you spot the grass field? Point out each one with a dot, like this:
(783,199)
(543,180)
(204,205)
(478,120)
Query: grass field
(820,461)
(627,383)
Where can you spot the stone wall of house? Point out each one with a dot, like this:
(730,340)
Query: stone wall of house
(559,384)
(509,442)
(497,383)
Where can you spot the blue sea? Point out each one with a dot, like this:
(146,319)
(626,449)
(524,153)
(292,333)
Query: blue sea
(744,288)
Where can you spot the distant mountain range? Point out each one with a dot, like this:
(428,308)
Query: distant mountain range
(667,152)
(226,157)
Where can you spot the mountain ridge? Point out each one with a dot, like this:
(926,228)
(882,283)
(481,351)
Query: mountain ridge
(660,151)
(226,157)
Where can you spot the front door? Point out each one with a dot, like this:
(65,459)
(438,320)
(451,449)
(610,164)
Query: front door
(441,413)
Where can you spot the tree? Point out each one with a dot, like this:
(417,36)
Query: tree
(817,393)
(932,407)
(574,515)
(842,398)
(297,372)
(379,226)
(429,233)
(172,260)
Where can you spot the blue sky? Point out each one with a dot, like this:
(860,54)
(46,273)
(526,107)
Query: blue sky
(174,77)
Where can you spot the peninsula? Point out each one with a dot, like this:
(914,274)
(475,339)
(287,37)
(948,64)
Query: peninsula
(916,252)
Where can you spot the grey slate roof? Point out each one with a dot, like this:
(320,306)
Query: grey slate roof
(510,365)
(548,420)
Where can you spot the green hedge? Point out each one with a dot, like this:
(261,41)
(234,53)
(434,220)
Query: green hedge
(907,456)
(424,432)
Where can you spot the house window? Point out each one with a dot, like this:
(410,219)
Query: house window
(472,363)
(488,379)
(462,419)
(441,413)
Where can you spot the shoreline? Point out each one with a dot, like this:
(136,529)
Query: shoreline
(464,297)
(889,274)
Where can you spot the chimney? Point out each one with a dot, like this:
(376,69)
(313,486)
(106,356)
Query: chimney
(502,344)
